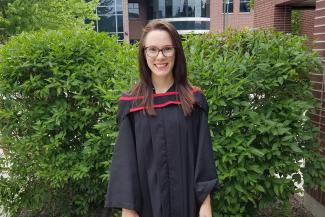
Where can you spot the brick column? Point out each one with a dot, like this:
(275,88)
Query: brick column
(319,28)
(307,25)
(317,80)
(214,15)
(126,21)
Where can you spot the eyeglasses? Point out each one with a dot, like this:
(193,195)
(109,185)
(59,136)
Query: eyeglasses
(153,51)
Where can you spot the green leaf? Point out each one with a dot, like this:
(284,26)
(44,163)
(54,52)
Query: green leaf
(257,152)
(260,188)
(295,148)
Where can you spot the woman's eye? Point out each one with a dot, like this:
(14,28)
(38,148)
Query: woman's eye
(152,49)
(168,49)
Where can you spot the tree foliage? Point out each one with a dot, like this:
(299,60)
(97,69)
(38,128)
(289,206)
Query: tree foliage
(252,4)
(17,16)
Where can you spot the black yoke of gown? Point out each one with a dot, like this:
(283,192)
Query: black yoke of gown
(163,165)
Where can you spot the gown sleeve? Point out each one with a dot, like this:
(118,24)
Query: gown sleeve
(123,188)
(206,179)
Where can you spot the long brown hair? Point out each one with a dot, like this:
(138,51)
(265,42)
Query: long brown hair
(144,87)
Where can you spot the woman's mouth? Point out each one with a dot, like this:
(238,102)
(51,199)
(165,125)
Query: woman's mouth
(161,65)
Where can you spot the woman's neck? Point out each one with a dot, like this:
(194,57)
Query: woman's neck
(162,84)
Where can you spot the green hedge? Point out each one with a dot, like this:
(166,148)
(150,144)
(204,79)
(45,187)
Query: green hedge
(58,100)
(258,88)
(59,93)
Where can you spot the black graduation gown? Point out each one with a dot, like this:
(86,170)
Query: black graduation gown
(163,165)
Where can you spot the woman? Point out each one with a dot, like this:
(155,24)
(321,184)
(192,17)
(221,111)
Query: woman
(163,162)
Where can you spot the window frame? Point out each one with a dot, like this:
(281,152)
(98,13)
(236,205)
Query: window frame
(227,2)
(133,3)
(246,2)
(116,5)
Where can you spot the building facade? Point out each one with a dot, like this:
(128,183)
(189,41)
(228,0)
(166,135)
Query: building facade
(126,18)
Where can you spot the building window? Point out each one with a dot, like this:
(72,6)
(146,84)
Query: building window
(110,15)
(158,9)
(187,16)
(134,10)
(228,6)
(244,6)
(191,25)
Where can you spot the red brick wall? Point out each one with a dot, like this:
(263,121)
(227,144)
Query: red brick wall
(213,15)
(282,18)
(319,28)
(267,15)
(273,14)
(307,25)
(235,20)
(318,116)
(291,2)
(264,14)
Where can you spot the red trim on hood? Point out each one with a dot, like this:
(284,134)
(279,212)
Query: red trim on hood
(139,108)
(131,98)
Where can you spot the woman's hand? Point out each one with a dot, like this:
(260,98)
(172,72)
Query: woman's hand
(205,209)
(129,213)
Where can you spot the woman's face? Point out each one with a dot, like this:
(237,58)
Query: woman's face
(160,53)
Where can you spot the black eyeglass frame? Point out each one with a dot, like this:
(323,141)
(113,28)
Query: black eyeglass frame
(159,50)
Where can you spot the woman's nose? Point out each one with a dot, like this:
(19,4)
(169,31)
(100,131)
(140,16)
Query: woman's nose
(160,55)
